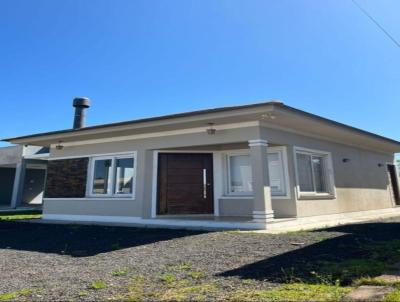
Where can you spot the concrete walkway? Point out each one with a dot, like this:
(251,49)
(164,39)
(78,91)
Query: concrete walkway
(323,221)
(389,281)
(369,293)
(280,225)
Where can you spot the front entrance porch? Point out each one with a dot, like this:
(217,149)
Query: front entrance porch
(226,181)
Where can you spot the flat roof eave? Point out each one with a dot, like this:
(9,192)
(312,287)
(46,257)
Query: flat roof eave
(74,134)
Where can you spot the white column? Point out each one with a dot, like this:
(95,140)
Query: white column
(262,206)
(18,184)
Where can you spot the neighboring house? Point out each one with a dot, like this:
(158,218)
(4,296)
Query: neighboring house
(22,176)
(242,166)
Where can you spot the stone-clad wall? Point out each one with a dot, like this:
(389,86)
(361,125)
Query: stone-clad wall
(66,178)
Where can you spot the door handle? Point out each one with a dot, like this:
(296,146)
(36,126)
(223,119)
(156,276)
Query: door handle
(205,184)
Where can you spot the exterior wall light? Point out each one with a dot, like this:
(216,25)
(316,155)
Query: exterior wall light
(346,160)
(211,130)
(59,146)
(380,165)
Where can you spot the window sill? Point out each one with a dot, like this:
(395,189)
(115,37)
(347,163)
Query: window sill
(252,197)
(237,197)
(316,196)
(106,198)
(130,197)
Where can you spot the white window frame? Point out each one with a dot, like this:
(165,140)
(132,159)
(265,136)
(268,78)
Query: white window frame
(111,192)
(283,154)
(228,170)
(328,174)
(278,149)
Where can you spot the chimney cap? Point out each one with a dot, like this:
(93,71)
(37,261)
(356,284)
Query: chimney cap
(82,102)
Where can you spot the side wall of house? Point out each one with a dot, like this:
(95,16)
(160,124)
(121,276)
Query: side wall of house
(361,183)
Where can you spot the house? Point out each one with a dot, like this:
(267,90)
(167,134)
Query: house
(22,176)
(235,167)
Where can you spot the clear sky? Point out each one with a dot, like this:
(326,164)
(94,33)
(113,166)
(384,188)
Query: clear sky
(138,59)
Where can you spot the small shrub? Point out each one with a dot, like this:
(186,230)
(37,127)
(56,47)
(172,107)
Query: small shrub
(98,284)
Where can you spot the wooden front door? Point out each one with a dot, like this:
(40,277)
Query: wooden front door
(185,183)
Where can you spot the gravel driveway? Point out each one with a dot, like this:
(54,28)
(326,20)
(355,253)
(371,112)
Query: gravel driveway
(60,262)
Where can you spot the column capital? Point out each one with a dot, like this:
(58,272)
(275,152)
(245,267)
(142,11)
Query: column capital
(257,142)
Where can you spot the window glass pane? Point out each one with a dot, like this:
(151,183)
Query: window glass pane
(319,179)
(240,174)
(124,175)
(276,175)
(305,172)
(102,172)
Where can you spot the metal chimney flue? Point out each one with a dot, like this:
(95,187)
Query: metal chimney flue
(80,104)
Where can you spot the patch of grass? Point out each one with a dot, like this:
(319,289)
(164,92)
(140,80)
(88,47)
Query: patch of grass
(347,271)
(179,267)
(18,215)
(136,290)
(292,292)
(394,296)
(370,260)
(197,275)
(189,289)
(120,273)
(16,295)
(98,284)
(248,282)
(168,278)
(188,293)
(83,293)
(375,281)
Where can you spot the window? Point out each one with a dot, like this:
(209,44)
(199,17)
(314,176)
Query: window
(313,172)
(240,174)
(112,176)
(276,174)
(240,178)
(101,176)
(124,175)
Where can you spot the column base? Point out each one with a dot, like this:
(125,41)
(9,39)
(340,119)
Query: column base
(263,216)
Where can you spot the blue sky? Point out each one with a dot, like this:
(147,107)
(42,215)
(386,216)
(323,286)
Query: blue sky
(138,58)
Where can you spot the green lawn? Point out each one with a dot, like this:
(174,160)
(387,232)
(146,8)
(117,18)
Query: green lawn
(18,215)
